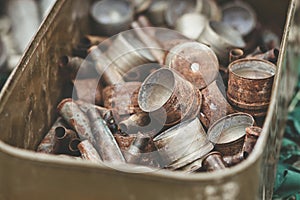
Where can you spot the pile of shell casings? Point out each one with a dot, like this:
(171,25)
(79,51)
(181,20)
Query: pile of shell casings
(193,99)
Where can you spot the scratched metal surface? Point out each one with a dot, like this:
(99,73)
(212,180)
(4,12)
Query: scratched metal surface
(29,99)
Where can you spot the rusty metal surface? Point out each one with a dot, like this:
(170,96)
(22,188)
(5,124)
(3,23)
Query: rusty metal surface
(27,107)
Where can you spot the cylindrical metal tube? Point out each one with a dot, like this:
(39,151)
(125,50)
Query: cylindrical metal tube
(105,67)
(252,134)
(182,144)
(63,137)
(111,16)
(235,54)
(123,98)
(250,85)
(105,143)
(140,73)
(72,114)
(213,162)
(228,133)
(169,96)
(110,116)
(47,145)
(138,146)
(195,62)
(151,43)
(221,38)
(234,159)
(88,152)
(271,55)
(128,51)
(135,123)
(214,103)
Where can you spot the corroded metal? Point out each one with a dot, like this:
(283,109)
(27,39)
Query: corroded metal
(228,133)
(88,152)
(135,123)
(235,54)
(214,104)
(47,145)
(252,134)
(182,144)
(250,85)
(170,96)
(221,38)
(105,143)
(122,97)
(213,162)
(271,55)
(195,62)
(63,137)
(72,114)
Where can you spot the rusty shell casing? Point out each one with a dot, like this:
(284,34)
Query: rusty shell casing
(111,17)
(128,51)
(169,96)
(106,69)
(123,98)
(196,62)
(235,54)
(135,123)
(105,143)
(182,144)
(221,38)
(73,146)
(47,145)
(137,147)
(140,73)
(213,162)
(258,50)
(151,43)
(110,116)
(271,55)
(250,84)
(72,114)
(88,152)
(252,134)
(124,141)
(228,133)
(233,160)
(63,136)
(89,90)
(77,68)
(214,104)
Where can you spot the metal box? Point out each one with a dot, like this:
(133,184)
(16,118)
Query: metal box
(29,99)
